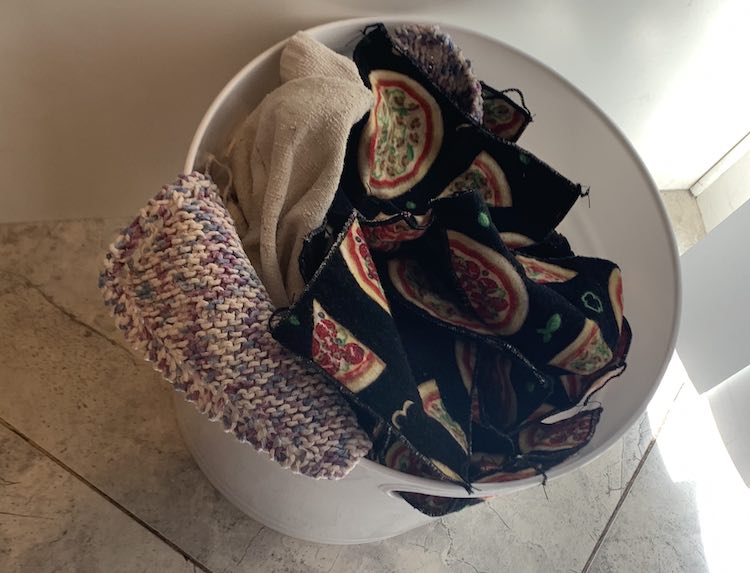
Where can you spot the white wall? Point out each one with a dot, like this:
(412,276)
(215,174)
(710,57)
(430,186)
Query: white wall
(99,98)
(713,338)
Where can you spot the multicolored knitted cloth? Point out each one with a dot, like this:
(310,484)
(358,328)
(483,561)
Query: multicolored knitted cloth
(182,289)
(444,63)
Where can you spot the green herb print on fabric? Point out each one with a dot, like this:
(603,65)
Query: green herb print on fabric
(553,325)
(592,302)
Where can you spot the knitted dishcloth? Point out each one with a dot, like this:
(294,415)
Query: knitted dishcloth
(182,289)
(444,63)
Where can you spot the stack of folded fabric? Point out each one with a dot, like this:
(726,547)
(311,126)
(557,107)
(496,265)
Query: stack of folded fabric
(410,246)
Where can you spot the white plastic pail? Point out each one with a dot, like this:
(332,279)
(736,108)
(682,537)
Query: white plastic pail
(625,221)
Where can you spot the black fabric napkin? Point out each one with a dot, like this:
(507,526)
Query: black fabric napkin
(441,299)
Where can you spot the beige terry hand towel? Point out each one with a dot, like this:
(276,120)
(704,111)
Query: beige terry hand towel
(287,158)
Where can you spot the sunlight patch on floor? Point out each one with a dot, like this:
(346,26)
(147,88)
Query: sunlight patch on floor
(693,451)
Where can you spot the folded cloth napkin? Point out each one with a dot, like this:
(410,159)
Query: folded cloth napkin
(181,288)
(442,300)
(286,159)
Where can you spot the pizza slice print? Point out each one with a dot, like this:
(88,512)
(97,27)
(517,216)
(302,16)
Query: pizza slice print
(485,176)
(402,137)
(340,354)
(359,262)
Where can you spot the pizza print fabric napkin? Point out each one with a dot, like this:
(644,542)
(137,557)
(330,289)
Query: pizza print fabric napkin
(440,298)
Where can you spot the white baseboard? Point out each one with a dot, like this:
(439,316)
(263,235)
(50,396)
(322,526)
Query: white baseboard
(720,167)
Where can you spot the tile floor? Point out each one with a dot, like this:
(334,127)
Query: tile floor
(94,475)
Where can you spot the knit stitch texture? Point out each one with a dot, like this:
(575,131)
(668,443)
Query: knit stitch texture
(444,63)
(182,289)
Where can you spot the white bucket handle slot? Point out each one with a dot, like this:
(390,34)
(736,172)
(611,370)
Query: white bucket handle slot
(441,490)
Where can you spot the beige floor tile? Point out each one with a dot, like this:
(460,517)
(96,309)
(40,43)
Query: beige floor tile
(51,521)
(63,259)
(108,416)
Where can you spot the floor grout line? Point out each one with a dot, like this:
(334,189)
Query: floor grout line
(29,284)
(134,356)
(196,563)
(616,511)
(631,482)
